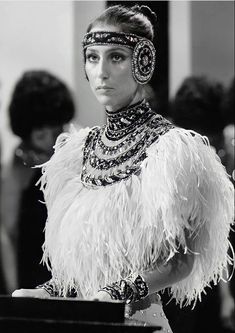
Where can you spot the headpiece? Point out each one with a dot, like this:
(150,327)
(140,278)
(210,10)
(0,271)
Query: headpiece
(143,57)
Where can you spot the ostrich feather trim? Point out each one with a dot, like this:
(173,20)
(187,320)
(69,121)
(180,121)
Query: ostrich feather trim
(94,237)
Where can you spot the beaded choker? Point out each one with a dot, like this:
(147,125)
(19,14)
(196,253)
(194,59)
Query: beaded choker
(114,152)
(143,57)
(126,120)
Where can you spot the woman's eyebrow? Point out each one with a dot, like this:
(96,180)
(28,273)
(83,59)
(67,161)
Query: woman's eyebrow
(91,50)
(114,49)
(119,49)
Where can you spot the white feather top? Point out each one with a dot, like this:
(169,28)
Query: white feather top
(94,237)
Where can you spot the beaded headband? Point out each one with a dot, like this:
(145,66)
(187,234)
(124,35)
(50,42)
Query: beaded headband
(143,57)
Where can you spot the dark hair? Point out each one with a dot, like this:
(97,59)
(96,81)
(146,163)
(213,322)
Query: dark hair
(198,105)
(229,103)
(39,99)
(139,20)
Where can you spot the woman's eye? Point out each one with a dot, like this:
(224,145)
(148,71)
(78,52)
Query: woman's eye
(117,57)
(92,57)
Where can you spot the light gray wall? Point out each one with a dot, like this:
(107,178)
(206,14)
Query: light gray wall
(33,35)
(48,34)
(180,62)
(212,26)
(90,112)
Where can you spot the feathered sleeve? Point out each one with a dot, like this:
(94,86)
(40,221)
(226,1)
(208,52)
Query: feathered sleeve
(60,177)
(65,164)
(190,193)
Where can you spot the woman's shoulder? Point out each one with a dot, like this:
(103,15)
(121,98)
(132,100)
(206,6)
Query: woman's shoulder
(75,135)
(68,149)
(167,134)
(181,149)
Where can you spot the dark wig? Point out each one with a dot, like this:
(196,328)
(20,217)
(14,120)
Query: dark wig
(198,105)
(39,99)
(229,103)
(138,20)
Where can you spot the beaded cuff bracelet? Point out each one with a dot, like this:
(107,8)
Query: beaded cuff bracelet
(50,287)
(130,290)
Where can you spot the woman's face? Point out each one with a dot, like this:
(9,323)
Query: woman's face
(108,68)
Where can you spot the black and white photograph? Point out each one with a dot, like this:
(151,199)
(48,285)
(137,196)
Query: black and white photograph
(117,169)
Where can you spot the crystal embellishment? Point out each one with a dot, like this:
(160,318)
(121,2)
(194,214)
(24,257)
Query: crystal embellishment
(114,153)
(144,53)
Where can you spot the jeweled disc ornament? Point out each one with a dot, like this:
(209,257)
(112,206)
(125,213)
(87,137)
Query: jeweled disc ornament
(143,57)
(143,61)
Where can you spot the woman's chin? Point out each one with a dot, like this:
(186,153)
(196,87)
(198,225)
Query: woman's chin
(105,100)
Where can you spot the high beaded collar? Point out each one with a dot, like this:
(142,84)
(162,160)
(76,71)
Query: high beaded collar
(126,120)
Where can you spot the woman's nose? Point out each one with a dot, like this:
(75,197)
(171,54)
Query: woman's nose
(103,69)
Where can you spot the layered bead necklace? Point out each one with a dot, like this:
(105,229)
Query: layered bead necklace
(115,151)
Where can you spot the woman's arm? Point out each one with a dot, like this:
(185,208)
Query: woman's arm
(8,259)
(165,275)
(10,199)
(38,293)
(227,306)
(174,270)
(45,290)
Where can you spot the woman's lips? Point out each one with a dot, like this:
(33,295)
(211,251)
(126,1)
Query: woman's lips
(104,89)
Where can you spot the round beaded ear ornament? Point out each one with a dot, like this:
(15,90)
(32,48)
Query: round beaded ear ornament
(144,53)
(143,61)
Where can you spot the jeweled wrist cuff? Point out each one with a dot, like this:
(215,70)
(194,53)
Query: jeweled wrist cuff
(130,290)
(50,287)
(53,290)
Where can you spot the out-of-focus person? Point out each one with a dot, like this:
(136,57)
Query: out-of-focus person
(199,105)
(41,104)
(2,231)
(2,241)
(227,290)
(229,131)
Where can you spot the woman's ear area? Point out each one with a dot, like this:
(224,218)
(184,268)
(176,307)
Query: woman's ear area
(84,64)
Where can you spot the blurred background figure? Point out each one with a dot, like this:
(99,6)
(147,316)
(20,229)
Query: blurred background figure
(227,290)
(40,106)
(198,105)
(205,106)
(229,132)
(2,241)
(2,235)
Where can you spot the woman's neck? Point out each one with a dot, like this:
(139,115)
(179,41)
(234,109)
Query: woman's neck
(126,120)
(138,97)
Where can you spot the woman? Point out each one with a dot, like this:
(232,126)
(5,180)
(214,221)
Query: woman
(40,106)
(136,205)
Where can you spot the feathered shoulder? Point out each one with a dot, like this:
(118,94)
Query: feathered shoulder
(182,198)
(185,183)
(65,163)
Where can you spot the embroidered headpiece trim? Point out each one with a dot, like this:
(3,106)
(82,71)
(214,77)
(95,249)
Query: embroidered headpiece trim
(144,53)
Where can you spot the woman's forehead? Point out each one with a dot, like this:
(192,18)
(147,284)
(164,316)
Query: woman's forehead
(108,48)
